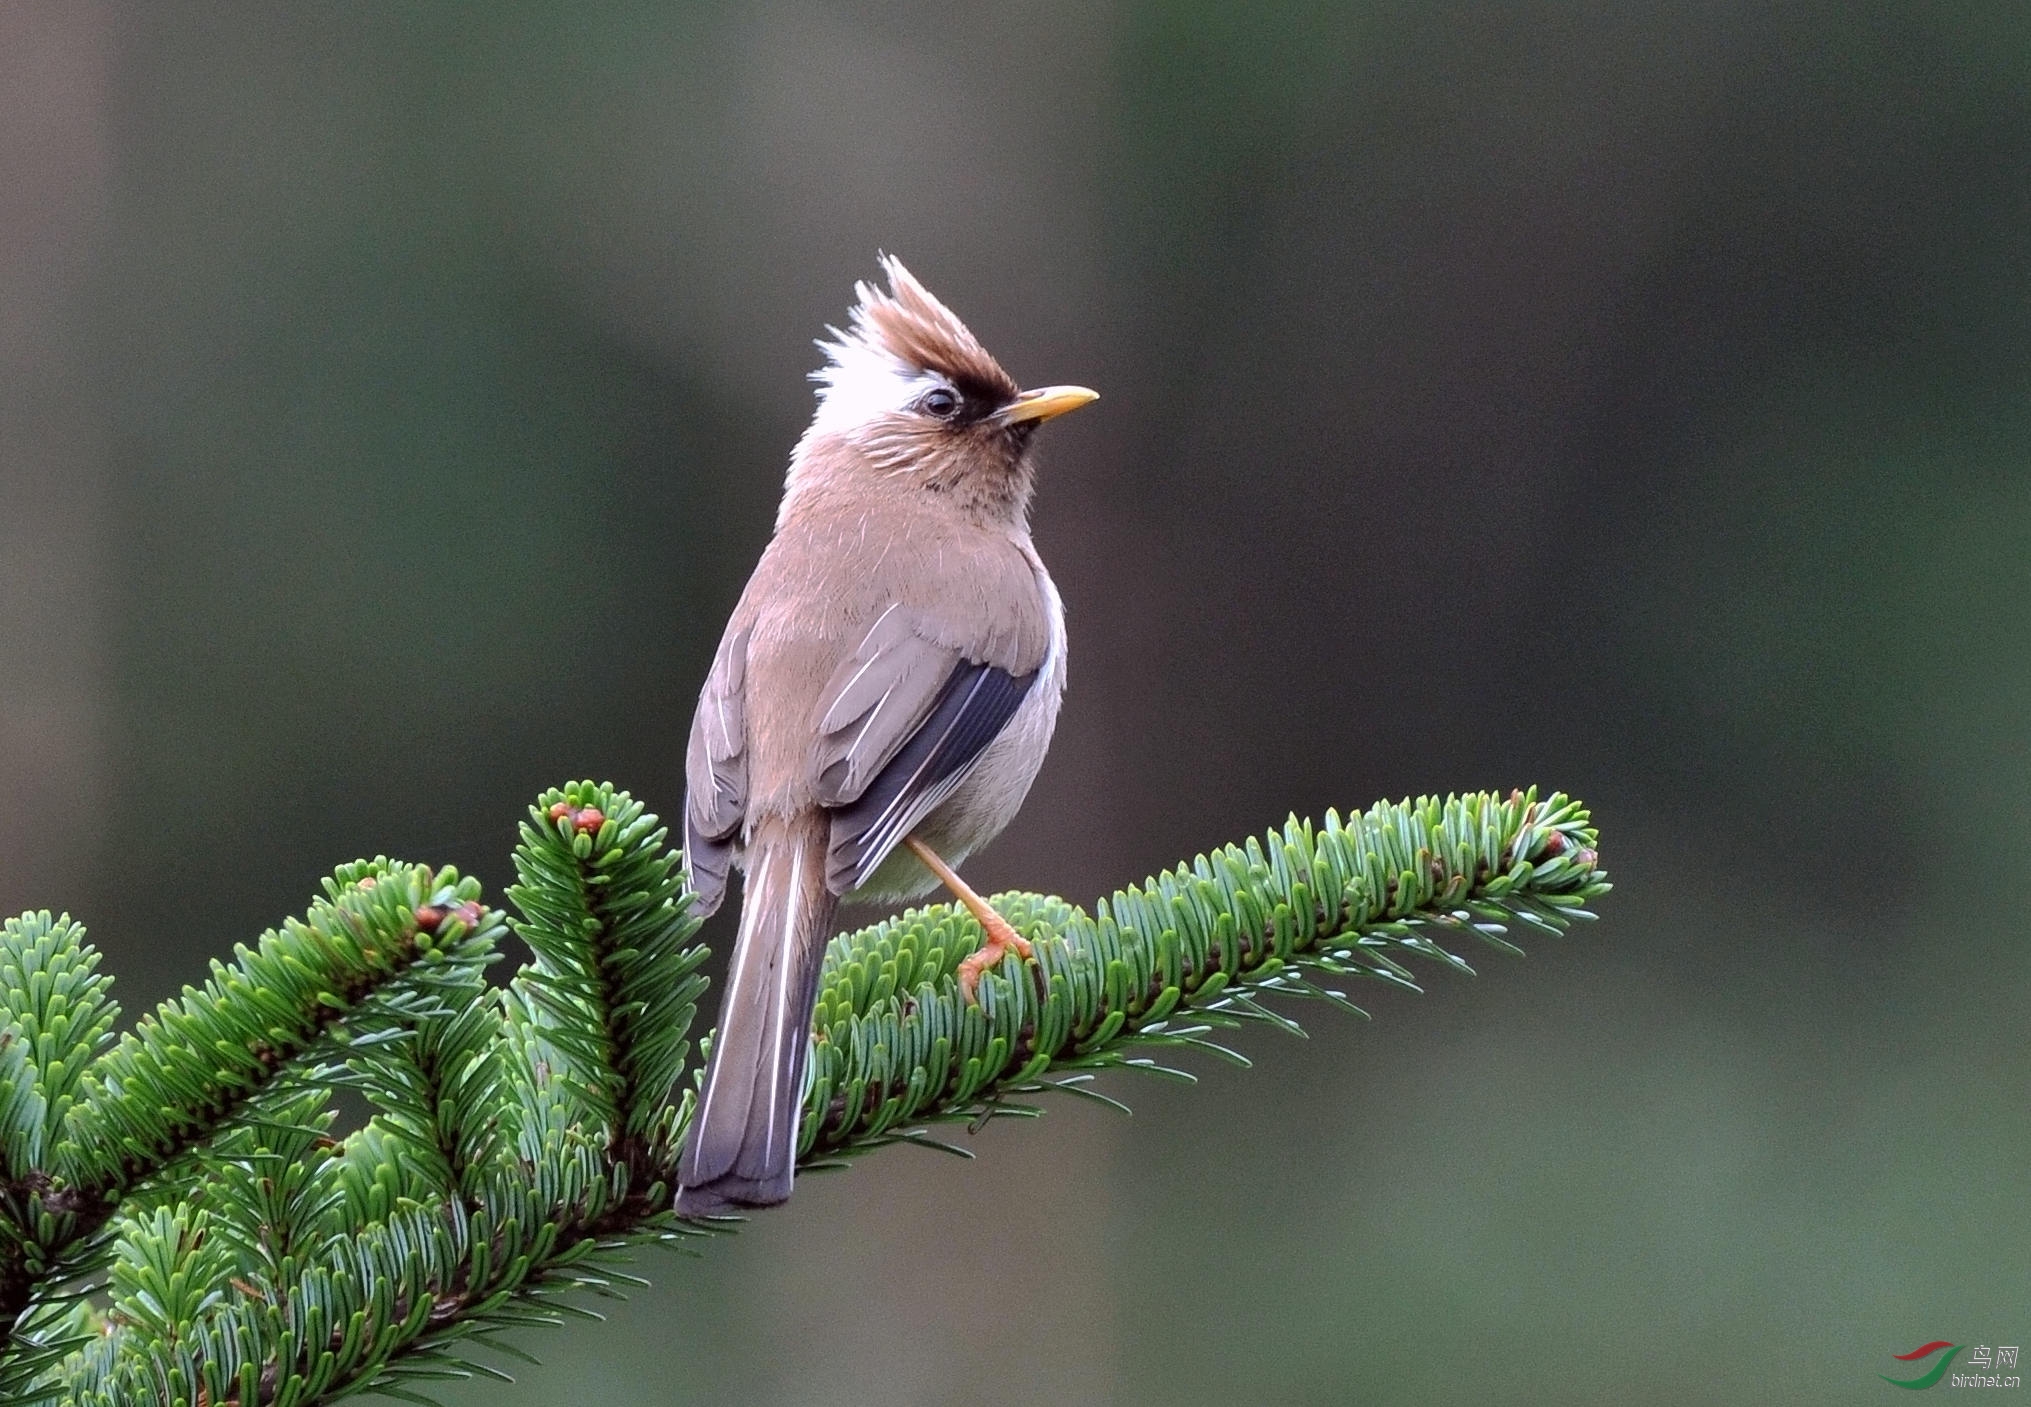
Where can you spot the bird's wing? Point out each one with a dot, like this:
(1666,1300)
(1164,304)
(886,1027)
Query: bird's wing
(716,773)
(902,721)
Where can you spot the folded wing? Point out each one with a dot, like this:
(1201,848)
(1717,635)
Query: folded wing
(904,720)
(716,774)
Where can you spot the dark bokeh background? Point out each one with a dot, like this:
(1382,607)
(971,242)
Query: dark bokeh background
(1624,398)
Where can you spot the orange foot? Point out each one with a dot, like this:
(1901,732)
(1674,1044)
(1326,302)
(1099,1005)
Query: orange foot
(1001,938)
(1001,935)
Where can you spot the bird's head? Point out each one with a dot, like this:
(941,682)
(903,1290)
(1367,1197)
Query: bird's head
(909,394)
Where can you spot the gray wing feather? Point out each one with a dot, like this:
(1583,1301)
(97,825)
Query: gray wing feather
(879,696)
(715,773)
(973,706)
(902,721)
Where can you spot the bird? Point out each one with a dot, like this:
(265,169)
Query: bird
(881,699)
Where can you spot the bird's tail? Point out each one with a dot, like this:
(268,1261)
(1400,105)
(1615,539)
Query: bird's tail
(742,1148)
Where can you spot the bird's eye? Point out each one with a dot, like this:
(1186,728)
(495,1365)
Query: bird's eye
(940,403)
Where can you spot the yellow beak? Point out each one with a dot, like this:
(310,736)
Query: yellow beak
(1047,403)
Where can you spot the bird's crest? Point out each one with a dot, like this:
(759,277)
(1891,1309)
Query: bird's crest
(897,342)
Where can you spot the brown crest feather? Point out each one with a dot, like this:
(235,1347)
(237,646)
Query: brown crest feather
(914,327)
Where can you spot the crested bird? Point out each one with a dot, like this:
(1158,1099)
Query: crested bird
(879,704)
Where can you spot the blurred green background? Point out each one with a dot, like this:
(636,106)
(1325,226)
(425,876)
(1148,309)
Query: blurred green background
(1630,399)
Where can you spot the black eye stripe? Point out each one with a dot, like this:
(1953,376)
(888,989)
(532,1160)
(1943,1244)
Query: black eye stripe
(961,402)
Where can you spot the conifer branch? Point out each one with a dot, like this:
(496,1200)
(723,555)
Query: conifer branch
(182,1228)
(1299,913)
(103,1123)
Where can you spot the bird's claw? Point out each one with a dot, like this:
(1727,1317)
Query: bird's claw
(1001,939)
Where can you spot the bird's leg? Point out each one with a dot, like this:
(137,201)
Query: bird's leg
(1001,935)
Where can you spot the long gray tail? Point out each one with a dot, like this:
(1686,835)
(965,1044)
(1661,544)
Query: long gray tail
(742,1148)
